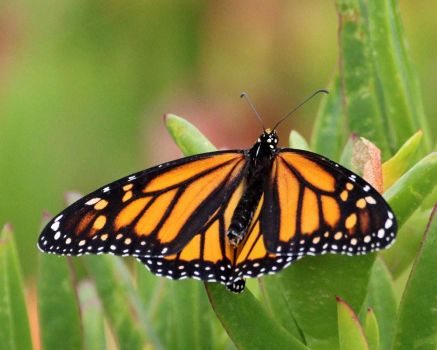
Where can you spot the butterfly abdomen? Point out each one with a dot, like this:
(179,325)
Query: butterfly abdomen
(261,157)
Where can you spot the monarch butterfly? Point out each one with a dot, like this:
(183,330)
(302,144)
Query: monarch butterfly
(227,215)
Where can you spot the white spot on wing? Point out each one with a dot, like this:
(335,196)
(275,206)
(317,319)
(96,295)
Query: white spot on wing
(92,201)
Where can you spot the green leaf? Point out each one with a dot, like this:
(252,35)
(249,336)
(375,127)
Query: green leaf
(58,305)
(350,332)
(402,160)
(347,153)
(357,75)
(247,322)
(310,287)
(121,314)
(416,326)
(407,194)
(276,305)
(192,325)
(149,288)
(156,298)
(188,297)
(389,65)
(400,257)
(411,81)
(381,299)
(329,129)
(430,200)
(297,141)
(92,317)
(188,138)
(14,322)
(371,330)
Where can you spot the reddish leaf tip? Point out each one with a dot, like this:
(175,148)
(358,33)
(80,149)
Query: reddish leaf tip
(46,215)
(8,227)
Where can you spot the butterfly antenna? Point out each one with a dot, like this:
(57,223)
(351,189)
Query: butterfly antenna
(245,96)
(300,105)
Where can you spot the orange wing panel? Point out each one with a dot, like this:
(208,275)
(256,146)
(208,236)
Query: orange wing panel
(310,171)
(288,194)
(184,172)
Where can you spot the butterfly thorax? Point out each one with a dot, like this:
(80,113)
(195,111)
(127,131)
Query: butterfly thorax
(261,158)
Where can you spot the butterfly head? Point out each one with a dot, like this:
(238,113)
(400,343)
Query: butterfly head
(269,138)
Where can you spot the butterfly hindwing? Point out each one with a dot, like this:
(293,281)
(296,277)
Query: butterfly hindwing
(252,258)
(313,206)
(155,212)
(208,256)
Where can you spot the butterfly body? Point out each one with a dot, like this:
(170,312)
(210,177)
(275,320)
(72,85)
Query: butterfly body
(261,156)
(227,215)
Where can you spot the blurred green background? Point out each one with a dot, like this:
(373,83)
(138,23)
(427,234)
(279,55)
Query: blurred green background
(84,85)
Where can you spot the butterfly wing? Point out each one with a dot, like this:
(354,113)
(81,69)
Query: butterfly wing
(155,212)
(208,256)
(313,206)
(252,258)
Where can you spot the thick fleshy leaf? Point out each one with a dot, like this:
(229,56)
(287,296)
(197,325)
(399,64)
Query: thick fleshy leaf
(297,141)
(416,326)
(58,308)
(347,154)
(350,333)
(92,317)
(400,257)
(411,76)
(247,322)
(358,77)
(14,322)
(189,299)
(155,295)
(188,138)
(276,304)
(402,160)
(407,194)
(192,324)
(371,330)
(430,200)
(390,71)
(394,66)
(149,287)
(310,287)
(119,311)
(381,299)
(329,132)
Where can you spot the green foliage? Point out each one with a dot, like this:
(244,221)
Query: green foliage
(103,301)
(416,325)
(350,332)
(56,293)
(247,321)
(14,329)
(371,330)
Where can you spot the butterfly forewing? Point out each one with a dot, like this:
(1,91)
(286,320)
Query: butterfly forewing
(151,213)
(313,206)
